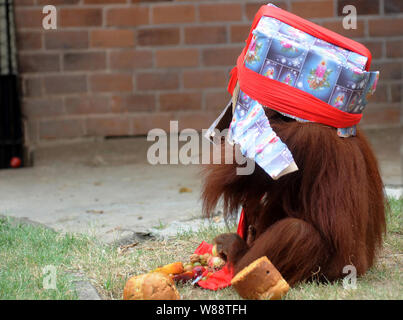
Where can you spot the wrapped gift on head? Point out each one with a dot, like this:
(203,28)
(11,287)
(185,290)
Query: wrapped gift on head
(302,71)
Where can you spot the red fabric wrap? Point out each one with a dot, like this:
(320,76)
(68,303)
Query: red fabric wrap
(284,98)
(222,278)
(219,279)
(241,225)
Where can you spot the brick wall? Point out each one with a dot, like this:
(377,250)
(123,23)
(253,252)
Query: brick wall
(123,67)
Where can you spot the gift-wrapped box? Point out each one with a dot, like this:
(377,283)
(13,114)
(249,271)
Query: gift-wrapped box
(283,53)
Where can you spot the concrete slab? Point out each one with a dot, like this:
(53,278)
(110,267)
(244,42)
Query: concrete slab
(85,290)
(91,187)
(108,189)
(388,147)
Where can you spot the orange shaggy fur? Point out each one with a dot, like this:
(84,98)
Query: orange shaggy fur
(309,223)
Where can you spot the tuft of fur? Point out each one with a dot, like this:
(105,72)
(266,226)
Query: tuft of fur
(312,222)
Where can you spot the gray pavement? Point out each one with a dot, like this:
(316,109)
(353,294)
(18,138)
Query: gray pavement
(108,189)
(104,188)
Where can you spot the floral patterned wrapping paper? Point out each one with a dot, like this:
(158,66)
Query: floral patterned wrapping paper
(283,53)
(330,73)
(251,130)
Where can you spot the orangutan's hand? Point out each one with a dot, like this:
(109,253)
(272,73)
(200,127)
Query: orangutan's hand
(230,246)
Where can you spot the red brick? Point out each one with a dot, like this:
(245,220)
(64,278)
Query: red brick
(173,14)
(220,12)
(375,47)
(29,40)
(221,56)
(200,93)
(111,126)
(61,128)
(147,1)
(388,70)
(379,115)
(393,6)
(39,62)
(313,9)
(217,100)
(180,101)
(142,124)
(30,128)
(28,18)
(380,95)
(385,27)
(205,35)
(394,48)
(396,92)
(131,59)
(65,84)
(80,17)
(157,81)
(66,39)
(84,61)
(158,36)
(57,2)
(86,105)
(362,6)
(196,120)
(133,103)
(46,107)
(104,1)
(252,8)
(20,3)
(134,16)
(111,82)
(337,26)
(112,38)
(177,58)
(205,78)
(32,87)
(240,32)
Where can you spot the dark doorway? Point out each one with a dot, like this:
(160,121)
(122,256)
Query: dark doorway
(11,135)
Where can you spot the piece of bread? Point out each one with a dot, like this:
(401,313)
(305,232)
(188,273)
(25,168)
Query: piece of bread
(150,286)
(260,281)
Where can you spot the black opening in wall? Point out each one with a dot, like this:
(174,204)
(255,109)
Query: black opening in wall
(11,135)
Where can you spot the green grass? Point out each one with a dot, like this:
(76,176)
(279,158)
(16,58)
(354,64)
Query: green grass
(395,216)
(160,225)
(24,253)
(25,250)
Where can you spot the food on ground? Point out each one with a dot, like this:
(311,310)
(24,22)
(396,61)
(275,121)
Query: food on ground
(172,268)
(260,280)
(215,262)
(198,271)
(154,285)
(214,251)
(183,277)
(150,286)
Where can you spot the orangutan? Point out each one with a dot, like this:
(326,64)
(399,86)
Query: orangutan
(312,222)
